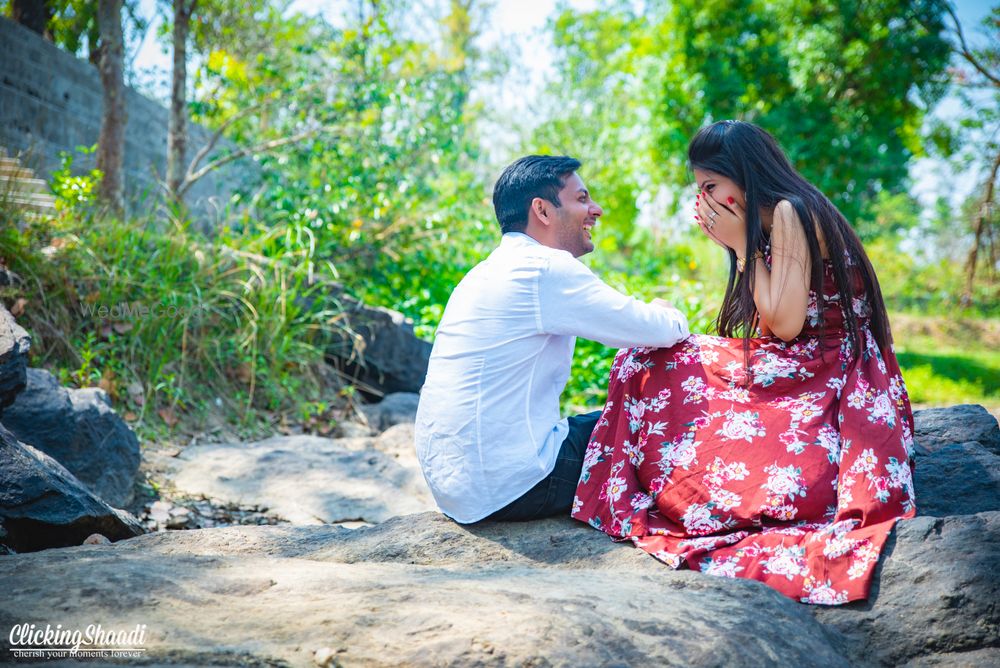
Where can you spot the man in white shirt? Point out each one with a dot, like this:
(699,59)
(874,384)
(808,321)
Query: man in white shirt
(489,435)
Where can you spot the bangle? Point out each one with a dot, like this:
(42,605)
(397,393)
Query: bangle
(741,263)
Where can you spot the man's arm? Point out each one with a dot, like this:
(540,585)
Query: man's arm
(573,301)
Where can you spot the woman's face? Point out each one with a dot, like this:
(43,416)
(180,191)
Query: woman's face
(719,187)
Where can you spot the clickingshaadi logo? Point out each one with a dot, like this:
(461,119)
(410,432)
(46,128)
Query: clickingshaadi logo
(49,642)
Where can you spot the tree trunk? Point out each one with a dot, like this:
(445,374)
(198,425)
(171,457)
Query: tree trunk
(32,14)
(177,125)
(111,144)
(981,229)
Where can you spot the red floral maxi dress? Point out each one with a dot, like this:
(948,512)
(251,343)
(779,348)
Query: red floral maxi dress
(795,478)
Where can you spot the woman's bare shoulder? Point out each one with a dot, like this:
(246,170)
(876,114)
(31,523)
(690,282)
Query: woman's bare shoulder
(785,215)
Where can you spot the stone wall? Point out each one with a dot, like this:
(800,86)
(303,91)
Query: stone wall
(50,101)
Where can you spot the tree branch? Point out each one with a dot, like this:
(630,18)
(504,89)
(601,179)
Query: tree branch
(243,113)
(965,52)
(217,135)
(236,155)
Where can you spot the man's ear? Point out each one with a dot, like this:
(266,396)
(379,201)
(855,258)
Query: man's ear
(540,210)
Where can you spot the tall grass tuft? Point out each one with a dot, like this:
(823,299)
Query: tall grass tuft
(177,327)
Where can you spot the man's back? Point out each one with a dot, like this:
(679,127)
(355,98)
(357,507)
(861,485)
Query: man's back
(488,422)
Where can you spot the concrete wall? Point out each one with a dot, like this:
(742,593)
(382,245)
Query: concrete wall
(50,101)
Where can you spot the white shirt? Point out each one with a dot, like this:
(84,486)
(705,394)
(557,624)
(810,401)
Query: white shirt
(488,425)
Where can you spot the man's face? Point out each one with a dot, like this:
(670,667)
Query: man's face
(575,218)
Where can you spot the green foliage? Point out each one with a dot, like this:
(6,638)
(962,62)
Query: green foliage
(811,73)
(814,75)
(889,215)
(915,255)
(952,377)
(385,191)
(949,360)
(75,191)
(968,136)
(382,199)
(172,324)
(970,140)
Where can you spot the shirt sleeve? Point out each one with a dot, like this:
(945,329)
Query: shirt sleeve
(573,301)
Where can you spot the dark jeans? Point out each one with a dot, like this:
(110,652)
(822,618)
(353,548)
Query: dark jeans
(554,494)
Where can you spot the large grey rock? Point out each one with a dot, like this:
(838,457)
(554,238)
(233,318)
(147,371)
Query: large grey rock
(80,430)
(957,479)
(14,345)
(397,441)
(384,354)
(957,461)
(935,428)
(414,591)
(306,479)
(935,596)
(43,505)
(395,408)
(422,590)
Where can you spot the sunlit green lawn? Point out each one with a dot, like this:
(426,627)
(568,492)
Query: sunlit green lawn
(947,361)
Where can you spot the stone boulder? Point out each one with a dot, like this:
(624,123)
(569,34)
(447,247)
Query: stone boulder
(395,408)
(307,479)
(957,479)
(957,461)
(415,591)
(80,430)
(934,598)
(935,428)
(384,355)
(421,590)
(14,345)
(397,441)
(43,505)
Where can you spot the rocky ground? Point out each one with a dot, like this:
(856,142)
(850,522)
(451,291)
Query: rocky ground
(420,590)
(352,567)
(297,478)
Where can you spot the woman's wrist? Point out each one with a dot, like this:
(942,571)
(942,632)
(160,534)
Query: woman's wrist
(741,263)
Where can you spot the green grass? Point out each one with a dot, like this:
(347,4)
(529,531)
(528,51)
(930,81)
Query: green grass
(940,374)
(232,327)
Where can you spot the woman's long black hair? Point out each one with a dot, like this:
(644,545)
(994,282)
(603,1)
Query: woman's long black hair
(752,159)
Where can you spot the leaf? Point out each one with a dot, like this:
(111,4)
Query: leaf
(18,308)
(168,416)
(108,384)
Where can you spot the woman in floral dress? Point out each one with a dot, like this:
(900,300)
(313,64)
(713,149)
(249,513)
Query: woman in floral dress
(779,451)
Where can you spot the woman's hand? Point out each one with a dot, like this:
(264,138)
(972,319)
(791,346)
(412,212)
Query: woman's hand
(703,224)
(724,223)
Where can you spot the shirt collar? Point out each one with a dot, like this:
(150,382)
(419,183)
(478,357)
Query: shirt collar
(518,236)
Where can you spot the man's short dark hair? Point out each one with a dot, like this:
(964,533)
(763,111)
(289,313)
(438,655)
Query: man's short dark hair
(525,179)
